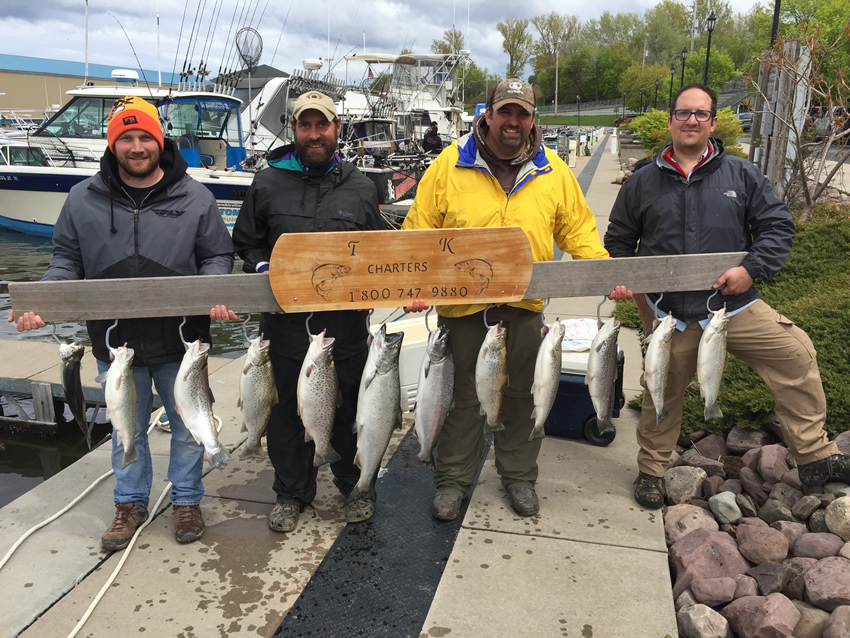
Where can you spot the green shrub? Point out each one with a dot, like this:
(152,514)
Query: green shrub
(813,290)
(652,132)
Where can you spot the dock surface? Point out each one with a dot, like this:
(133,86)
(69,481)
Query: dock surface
(592,563)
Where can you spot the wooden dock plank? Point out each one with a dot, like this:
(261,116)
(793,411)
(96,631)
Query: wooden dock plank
(170,296)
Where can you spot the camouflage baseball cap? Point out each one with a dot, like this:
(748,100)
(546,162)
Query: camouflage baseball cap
(514,91)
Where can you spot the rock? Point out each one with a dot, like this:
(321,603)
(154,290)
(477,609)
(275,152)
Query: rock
(712,447)
(683,483)
(711,485)
(773,511)
(699,621)
(748,508)
(817,545)
(792,478)
(828,583)
(745,586)
(825,499)
(681,520)
(731,485)
(771,577)
(791,530)
(795,589)
(772,616)
(812,620)
(704,554)
(732,465)
(805,507)
(844,552)
(620,178)
(739,441)
(699,502)
(785,494)
(685,599)
(817,522)
(772,463)
(843,442)
(838,624)
(713,591)
(752,520)
(836,489)
(753,486)
(674,458)
(760,544)
(724,508)
(751,459)
(837,517)
(692,458)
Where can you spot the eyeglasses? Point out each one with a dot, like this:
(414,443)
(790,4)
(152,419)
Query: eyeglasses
(683,115)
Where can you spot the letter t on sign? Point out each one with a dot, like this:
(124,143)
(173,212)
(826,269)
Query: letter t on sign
(353,245)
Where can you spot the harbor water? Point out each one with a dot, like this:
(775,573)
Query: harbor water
(26,461)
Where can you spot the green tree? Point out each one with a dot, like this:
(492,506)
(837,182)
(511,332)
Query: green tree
(452,42)
(637,77)
(721,69)
(479,83)
(516,43)
(556,33)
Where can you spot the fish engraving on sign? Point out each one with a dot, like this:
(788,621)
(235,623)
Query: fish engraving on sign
(481,271)
(324,277)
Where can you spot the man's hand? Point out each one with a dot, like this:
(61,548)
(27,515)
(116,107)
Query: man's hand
(737,281)
(27,321)
(620,293)
(221,313)
(418,305)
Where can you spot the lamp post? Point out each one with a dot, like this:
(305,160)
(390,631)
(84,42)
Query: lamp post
(624,104)
(655,103)
(641,101)
(710,21)
(684,55)
(672,74)
(556,79)
(578,101)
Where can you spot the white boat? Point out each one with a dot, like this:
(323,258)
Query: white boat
(37,172)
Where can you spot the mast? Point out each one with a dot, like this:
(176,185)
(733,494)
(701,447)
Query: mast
(158,62)
(86,54)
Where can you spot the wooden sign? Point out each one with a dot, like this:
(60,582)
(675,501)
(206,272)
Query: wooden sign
(386,269)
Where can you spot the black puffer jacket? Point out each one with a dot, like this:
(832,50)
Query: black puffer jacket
(726,205)
(100,234)
(286,198)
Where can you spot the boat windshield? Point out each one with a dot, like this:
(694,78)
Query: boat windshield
(82,117)
(202,119)
(22,156)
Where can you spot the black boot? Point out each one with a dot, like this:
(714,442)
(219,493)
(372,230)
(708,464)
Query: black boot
(832,468)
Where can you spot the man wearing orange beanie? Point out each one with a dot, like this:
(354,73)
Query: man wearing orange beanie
(141,215)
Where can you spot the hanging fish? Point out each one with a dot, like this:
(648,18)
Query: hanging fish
(71,355)
(547,376)
(711,361)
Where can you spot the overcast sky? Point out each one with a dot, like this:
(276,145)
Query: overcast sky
(320,28)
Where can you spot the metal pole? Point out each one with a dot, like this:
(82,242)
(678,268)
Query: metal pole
(578,101)
(556,79)
(684,56)
(707,54)
(655,103)
(672,75)
(624,104)
(775,30)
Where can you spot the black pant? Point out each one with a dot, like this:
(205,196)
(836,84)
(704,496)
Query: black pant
(290,454)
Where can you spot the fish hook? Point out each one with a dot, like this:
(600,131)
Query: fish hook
(307,324)
(58,340)
(245,329)
(180,330)
(487,325)
(108,330)
(657,311)
(710,297)
(599,310)
(428,312)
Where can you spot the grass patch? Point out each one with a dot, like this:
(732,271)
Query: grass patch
(572,120)
(813,290)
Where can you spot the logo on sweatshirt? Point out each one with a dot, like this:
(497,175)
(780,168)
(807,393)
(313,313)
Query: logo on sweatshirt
(731,194)
(345,214)
(161,212)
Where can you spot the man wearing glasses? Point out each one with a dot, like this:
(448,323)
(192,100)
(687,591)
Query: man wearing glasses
(695,198)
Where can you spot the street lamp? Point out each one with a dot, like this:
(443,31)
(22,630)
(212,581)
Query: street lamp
(672,74)
(655,103)
(684,55)
(578,101)
(710,21)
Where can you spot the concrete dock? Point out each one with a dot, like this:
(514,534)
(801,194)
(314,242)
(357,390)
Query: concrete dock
(592,563)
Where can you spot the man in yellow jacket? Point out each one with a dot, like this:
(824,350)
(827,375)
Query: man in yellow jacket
(500,174)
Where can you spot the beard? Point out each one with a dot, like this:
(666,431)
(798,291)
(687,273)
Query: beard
(139,171)
(315,157)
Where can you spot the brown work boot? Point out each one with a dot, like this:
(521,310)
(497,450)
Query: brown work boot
(446,507)
(524,501)
(649,491)
(128,517)
(188,523)
(833,468)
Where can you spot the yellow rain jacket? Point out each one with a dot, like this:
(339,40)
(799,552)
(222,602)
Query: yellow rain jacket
(459,191)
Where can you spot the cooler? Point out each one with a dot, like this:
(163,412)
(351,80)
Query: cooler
(573,414)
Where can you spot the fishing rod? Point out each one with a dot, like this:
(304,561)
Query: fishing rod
(133,49)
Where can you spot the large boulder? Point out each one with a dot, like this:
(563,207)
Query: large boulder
(705,554)
(795,588)
(753,483)
(772,463)
(828,583)
(817,545)
(805,507)
(838,624)
(712,447)
(681,520)
(745,586)
(683,483)
(762,544)
(785,494)
(812,620)
(772,616)
(700,621)
(713,591)
(740,441)
(790,530)
(773,511)
(692,458)
(725,508)
(771,577)
(837,517)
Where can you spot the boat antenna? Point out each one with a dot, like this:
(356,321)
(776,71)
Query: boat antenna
(280,35)
(141,70)
(86,79)
(158,57)
(177,50)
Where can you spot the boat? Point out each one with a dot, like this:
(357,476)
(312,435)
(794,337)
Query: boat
(38,170)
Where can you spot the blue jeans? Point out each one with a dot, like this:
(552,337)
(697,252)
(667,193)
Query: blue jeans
(186,461)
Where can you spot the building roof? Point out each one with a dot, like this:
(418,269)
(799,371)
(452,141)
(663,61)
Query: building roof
(26,64)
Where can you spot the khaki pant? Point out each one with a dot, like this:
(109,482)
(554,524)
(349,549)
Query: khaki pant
(779,352)
(461,442)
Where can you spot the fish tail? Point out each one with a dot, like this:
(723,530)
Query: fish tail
(219,457)
(713,411)
(130,456)
(494,427)
(332,456)
(253,451)
(604,426)
(661,415)
(537,433)
(427,463)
